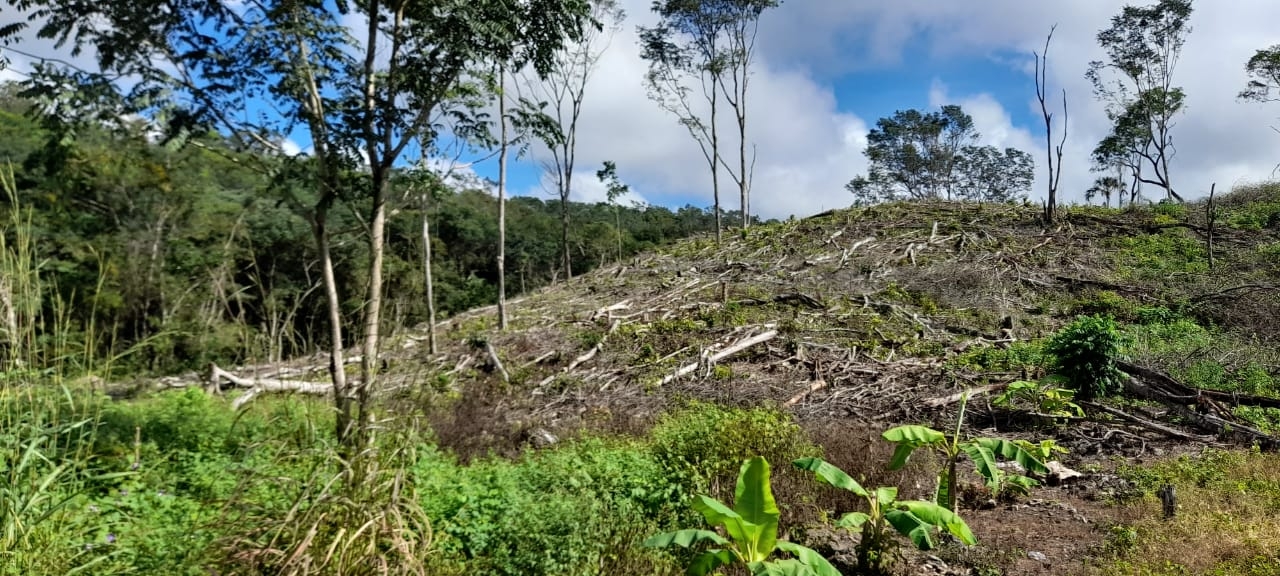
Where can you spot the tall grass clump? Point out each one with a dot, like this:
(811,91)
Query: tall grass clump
(46,428)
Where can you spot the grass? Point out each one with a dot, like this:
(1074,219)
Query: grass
(1228,503)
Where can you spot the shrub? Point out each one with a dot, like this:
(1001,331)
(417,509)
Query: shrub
(704,445)
(562,511)
(1085,353)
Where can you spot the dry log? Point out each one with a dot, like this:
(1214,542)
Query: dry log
(972,392)
(493,355)
(814,386)
(721,355)
(1177,389)
(1147,423)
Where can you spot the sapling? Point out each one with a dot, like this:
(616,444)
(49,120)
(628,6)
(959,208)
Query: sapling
(915,519)
(752,527)
(983,452)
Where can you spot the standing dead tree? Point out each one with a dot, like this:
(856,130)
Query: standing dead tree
(1053,153)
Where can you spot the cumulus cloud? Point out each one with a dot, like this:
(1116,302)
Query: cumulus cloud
(808,144)
(808,138)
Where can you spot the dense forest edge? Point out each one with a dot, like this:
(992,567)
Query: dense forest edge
(172,259)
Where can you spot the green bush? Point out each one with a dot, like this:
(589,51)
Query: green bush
(1019,356)
(1085,353)
(570,510)
(704,445)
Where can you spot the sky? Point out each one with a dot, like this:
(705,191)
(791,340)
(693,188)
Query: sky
(825,71)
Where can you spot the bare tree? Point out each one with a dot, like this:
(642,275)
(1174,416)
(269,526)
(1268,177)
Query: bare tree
(686,45)
(742,19)
(1054,153)
(564,89)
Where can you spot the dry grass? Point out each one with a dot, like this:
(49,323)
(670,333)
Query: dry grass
(1228,513)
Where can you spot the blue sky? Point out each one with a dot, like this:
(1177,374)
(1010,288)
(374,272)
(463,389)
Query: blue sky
(826,71)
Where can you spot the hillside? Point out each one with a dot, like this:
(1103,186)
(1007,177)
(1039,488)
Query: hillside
(857,320)
(560,445)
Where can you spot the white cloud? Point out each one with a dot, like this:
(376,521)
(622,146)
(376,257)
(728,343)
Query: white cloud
(808,146)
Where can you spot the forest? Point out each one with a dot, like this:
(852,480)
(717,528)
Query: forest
(191,256)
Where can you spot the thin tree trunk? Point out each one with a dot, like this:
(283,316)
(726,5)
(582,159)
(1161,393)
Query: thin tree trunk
(744,181)
(617,219)
(426,268)
(715,161)
(502,202)
(564,239)
(341,400)
(373,299)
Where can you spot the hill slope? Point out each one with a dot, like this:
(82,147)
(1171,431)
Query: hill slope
(857,320)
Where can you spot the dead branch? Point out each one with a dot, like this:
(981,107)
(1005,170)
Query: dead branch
(814,386)
(493,355)
(1147,423)
(972,392)
(721,355)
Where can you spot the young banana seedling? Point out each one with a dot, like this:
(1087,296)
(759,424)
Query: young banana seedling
(752,529)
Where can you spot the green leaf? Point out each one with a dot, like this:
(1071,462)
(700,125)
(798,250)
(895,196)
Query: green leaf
(684,539)
(853,520)
(779,568)
(907,524)
(1010,450)
(718,514)
(886,495)
(810,558)
(708,562)
(939,516)
(754,503)
(908,438)
(830,474)
(984,461)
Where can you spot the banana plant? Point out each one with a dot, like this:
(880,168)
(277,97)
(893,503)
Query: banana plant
(915,519)
(984,453)
(752,528)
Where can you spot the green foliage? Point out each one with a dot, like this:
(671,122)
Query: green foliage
(982,451)
(752,529)
(1044,397)
(1019,356)
(1157,257)
(913,519)
(1085,353)
(704,444)
(563,511)
(1104,303)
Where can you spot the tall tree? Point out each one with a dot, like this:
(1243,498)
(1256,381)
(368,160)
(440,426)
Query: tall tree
(1052,153)
(914,155)
(361,97)
(1264,76)
(743,21)
(987,174)
(684,47)
(564,88)
(1143,45)
(614,189)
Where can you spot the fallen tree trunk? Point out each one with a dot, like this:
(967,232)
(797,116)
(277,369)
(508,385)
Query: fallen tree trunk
(1174,388)
(721,355)
(256,386)
(1206,422)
